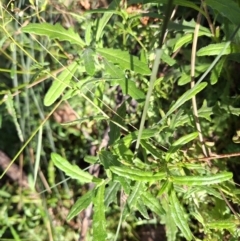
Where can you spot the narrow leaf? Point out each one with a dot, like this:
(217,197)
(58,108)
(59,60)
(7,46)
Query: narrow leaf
(180,142)
(111,193)
(152,203)
(137,175)
(88,60)
(101,24)
(202,180)
(72,171)
(186,96)
(82,203)
(59,84)
(137,190)
(142,208)
(178,216)
(56,31)
(99,220)
(215,49)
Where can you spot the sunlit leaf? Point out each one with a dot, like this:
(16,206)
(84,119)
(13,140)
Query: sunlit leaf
(81,204)
(60,84)
(88,59)
(202,180)
(215,49)
(99,220)
(136,174)
(152,203)
(124,60)
(56,31)
(72,171)
(179,216)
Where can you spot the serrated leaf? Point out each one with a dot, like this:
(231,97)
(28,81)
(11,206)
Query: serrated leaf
(222,224)
(88,59)
(215,73)
(202,180)
(137,191)
(99,220)
(152,203)
(72,171)
(205,111)
(215,49)
(60,84)
(82,203)
(111,193)
(54,32)
(136,174)
(142,208)
(107,159)
(124,60)
(228,9)
(178,216)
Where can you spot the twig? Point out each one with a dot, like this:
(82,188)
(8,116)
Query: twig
(194,102)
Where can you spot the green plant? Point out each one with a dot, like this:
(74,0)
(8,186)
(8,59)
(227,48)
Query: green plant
(158,164)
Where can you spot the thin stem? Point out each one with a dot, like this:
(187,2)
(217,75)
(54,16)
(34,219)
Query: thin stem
(194,102)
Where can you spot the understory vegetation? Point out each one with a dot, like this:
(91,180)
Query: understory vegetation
(119,120)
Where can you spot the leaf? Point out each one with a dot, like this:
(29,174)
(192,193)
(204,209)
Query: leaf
(124,60)
(186,39)
(54,32)
(228,9)
(107,159)
(202,180)
(222,224)
(141,208)
(137,190)
(111,193)
(113,70)
(179,143)
(129,88)
(88,60)
(136,174)
(82,203)
(178,216)
(72,171)
(152,203)
(114,133)
(205,111)
(59,84)
(11,110)
(168,59)
(215,49)
(146,134)
(186,96)
(216,71)
(101,23)
(99,220)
